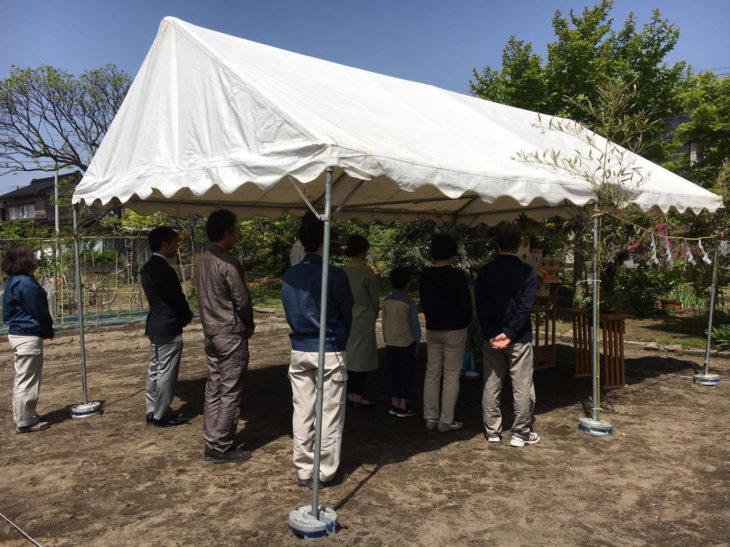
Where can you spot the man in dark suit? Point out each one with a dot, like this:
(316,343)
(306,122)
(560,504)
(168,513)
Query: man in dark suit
(505,294)
(169,313)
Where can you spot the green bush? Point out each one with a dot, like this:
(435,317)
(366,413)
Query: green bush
(721,335)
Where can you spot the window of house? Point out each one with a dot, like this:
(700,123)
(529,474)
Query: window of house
(25,210)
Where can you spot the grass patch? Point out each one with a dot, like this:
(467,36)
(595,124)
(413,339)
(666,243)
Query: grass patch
(266,293)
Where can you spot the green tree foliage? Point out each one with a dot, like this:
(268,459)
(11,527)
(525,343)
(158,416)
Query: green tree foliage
(706,102)
(587,54)
(49,117)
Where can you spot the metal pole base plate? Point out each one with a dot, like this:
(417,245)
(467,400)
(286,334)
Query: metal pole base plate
(85,410)
(707,379)
(302,524)
(597,428)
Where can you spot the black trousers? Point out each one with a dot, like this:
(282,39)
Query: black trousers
(356,382)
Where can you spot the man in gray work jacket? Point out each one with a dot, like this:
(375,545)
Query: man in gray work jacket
(227,316)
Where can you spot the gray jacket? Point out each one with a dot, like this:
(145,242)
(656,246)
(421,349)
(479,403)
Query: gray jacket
(223,298)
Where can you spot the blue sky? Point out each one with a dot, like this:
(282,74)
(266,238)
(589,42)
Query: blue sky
(431,41)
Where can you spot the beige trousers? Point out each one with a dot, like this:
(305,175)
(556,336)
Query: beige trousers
(445,354)
(28,353)
(517,360)
(303,377)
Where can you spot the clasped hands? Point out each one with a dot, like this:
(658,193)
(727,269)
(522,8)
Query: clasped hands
(500,341)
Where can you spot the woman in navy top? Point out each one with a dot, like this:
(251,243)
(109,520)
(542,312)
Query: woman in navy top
(446,303)
(25,311)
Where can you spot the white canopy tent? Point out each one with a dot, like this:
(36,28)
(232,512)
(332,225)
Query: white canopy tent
(211,119)
(216,121)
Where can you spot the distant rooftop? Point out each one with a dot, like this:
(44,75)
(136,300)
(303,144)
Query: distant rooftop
(38,186)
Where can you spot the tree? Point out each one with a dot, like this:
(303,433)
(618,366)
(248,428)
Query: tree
(706,102)
(49,117)
(587,54)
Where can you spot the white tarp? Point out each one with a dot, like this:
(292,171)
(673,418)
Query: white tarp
(213,120)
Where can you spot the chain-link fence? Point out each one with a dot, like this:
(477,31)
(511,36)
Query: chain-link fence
(110,269)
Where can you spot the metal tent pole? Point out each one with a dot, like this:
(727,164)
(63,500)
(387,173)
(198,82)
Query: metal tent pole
(315,521)
(85,409)
(708,379)
(594,426)
(322,334)
(55,245)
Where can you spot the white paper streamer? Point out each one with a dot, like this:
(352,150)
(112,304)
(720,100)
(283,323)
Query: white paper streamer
(704,254)
(464,262)
(690,258)
(670,260)
(653,251)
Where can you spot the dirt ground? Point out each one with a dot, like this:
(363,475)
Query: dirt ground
(662,478)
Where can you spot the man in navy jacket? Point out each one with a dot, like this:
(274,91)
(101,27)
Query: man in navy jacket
(505,294)
(301,292)
(169,313)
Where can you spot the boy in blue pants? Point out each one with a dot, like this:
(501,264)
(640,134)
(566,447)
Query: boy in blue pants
(402,333)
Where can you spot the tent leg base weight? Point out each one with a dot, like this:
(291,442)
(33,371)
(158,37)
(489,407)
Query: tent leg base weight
(303,525)
(86,410)
(596,428)
(707,379)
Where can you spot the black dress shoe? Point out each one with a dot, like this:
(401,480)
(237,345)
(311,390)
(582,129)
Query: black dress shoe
(150,418)
(357,404)
(229,456)
(169,421)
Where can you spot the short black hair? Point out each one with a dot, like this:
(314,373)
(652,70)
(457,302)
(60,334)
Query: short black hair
(443,246)
(219,222)
(399,277)
(20,259)
(509,240)
(356,244)
(311,232)
(160,235)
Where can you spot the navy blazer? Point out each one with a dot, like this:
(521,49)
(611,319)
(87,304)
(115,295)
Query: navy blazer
(169,310)
(505,295)
(25,307)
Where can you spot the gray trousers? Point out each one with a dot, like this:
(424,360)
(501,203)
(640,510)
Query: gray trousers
(28,357)
(517,359)
(165,352)
(227,356)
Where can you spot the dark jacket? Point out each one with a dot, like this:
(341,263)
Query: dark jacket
(505,295)
(224,302)
(445,298)
(169,310)
(25,308)
(301,293)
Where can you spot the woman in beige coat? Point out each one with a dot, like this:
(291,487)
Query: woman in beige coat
(362,347)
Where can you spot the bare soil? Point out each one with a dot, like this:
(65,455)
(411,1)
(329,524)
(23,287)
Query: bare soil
(662,478)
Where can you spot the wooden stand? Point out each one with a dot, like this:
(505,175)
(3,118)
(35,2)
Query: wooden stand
(546,313)
(612,331)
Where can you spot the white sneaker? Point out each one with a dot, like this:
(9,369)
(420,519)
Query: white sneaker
(522,440)
(431,424)
(493,437)
(453,426)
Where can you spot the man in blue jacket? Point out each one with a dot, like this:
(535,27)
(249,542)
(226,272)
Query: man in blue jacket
(505,294)
(301,292)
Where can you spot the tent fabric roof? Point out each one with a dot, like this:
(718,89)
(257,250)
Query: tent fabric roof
(213,120)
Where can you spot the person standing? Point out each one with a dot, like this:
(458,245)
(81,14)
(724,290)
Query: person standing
(226,312)
(25,311)
(505,295)
(402,334)
(301,294)
(446,303)
(169,313)
(362,346)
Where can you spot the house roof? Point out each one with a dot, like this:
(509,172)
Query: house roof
(38,186)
